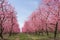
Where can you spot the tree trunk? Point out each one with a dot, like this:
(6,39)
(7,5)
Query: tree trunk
(47,30)
(11,31)
(1,31)
(55,32)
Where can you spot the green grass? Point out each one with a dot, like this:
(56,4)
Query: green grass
(32,37)
(23,36)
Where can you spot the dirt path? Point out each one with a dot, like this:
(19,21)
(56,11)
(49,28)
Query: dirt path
(17,38)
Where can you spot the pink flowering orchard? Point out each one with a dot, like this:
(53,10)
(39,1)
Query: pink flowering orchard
(8,18)
(46,18)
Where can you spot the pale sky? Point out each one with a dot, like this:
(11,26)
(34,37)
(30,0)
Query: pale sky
(24,8)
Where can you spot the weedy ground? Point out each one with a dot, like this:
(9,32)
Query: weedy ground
(23,36)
